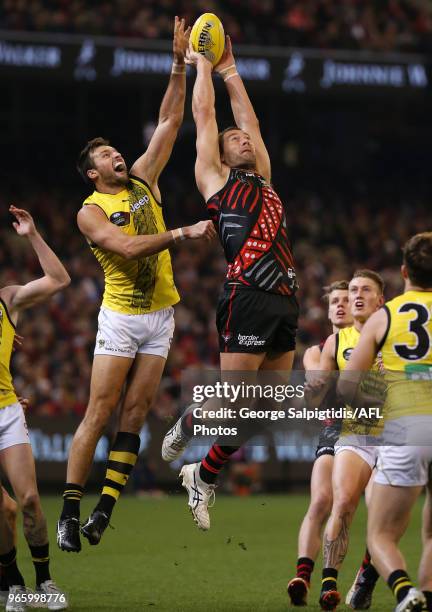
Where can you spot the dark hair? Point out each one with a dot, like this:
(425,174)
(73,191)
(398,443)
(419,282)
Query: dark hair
(374,276)
(341,285)
(85,161)
(417,256)
(221,135)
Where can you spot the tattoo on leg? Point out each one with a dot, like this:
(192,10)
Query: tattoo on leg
(335,550)
(35,528)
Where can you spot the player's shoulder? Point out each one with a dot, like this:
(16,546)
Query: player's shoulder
(7,295)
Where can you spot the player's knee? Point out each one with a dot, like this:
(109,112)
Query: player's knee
(321,506)
(134,414)
(344,505)
(30,502)
(10,511)
(97,416)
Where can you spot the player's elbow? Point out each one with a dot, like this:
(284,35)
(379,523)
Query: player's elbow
(203,114)
(129,250)
(64,281)
(172,120)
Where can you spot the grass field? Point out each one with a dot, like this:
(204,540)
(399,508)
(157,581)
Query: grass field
(156,558)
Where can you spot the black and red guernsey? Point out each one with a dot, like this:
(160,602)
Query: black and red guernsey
(251,222)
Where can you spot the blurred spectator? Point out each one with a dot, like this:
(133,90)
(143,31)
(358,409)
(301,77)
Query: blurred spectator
(380,25)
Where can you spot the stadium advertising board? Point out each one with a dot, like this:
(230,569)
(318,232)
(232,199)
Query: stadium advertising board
(294,71)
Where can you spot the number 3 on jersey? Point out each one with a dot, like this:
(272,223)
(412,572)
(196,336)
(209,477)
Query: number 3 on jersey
(419,327)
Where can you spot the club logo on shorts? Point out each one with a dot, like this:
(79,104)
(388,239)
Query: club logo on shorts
(227,337)
(101,342)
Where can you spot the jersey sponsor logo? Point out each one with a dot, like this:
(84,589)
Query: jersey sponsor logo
(120,218)
(250,340)
(141,202)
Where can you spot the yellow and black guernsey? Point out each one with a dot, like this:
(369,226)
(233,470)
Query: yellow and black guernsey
(407,354)
(141,285)
(7,335)
(373,384)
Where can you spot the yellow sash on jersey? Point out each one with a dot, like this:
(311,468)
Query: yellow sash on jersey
(7,334)
(141,285)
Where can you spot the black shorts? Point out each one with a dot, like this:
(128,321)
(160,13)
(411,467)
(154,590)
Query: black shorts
(254,321)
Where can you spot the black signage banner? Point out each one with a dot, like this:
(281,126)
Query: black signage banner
(292,71)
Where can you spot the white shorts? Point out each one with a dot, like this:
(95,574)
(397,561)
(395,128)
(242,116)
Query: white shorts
(13,426)
(126,335)
(404,466)
(367,453)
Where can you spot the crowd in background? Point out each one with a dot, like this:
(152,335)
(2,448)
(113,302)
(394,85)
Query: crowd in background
(382,25)
(334,233)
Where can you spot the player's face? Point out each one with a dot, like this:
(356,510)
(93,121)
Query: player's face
(339,310)
(238,150)
(110,166)
(365,298)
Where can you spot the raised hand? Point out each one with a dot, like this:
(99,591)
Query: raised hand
(202,229)
(180,40)
(24,224)
(227,60)
(193,57)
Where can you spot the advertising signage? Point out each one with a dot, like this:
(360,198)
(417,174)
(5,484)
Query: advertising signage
(292,71)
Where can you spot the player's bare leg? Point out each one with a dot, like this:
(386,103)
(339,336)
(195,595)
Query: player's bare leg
(8,509)
(309,539)
(108,376)
(199,479)
(350,477)
(359,596)
(388,518)
(18,464)
(142,385)
(425,567)
(11,576)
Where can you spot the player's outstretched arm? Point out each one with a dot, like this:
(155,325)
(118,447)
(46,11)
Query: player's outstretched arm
(243,111)
(209,173)
(150,165)
(95,226)
(55,275)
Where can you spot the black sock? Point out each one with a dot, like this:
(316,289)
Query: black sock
(4,584)
(71,500)
(329,579)
(400,584)
(40,558)
(370,574)
(121,461)
(214,461)
(10,568)
(366,560)
(428,595)
(305,568)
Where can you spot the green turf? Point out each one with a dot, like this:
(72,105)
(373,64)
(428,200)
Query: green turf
(156,558)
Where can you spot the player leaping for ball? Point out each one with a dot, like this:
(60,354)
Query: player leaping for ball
(123,223)
(16,457)
(309,538)
(258,301)
(402,332)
